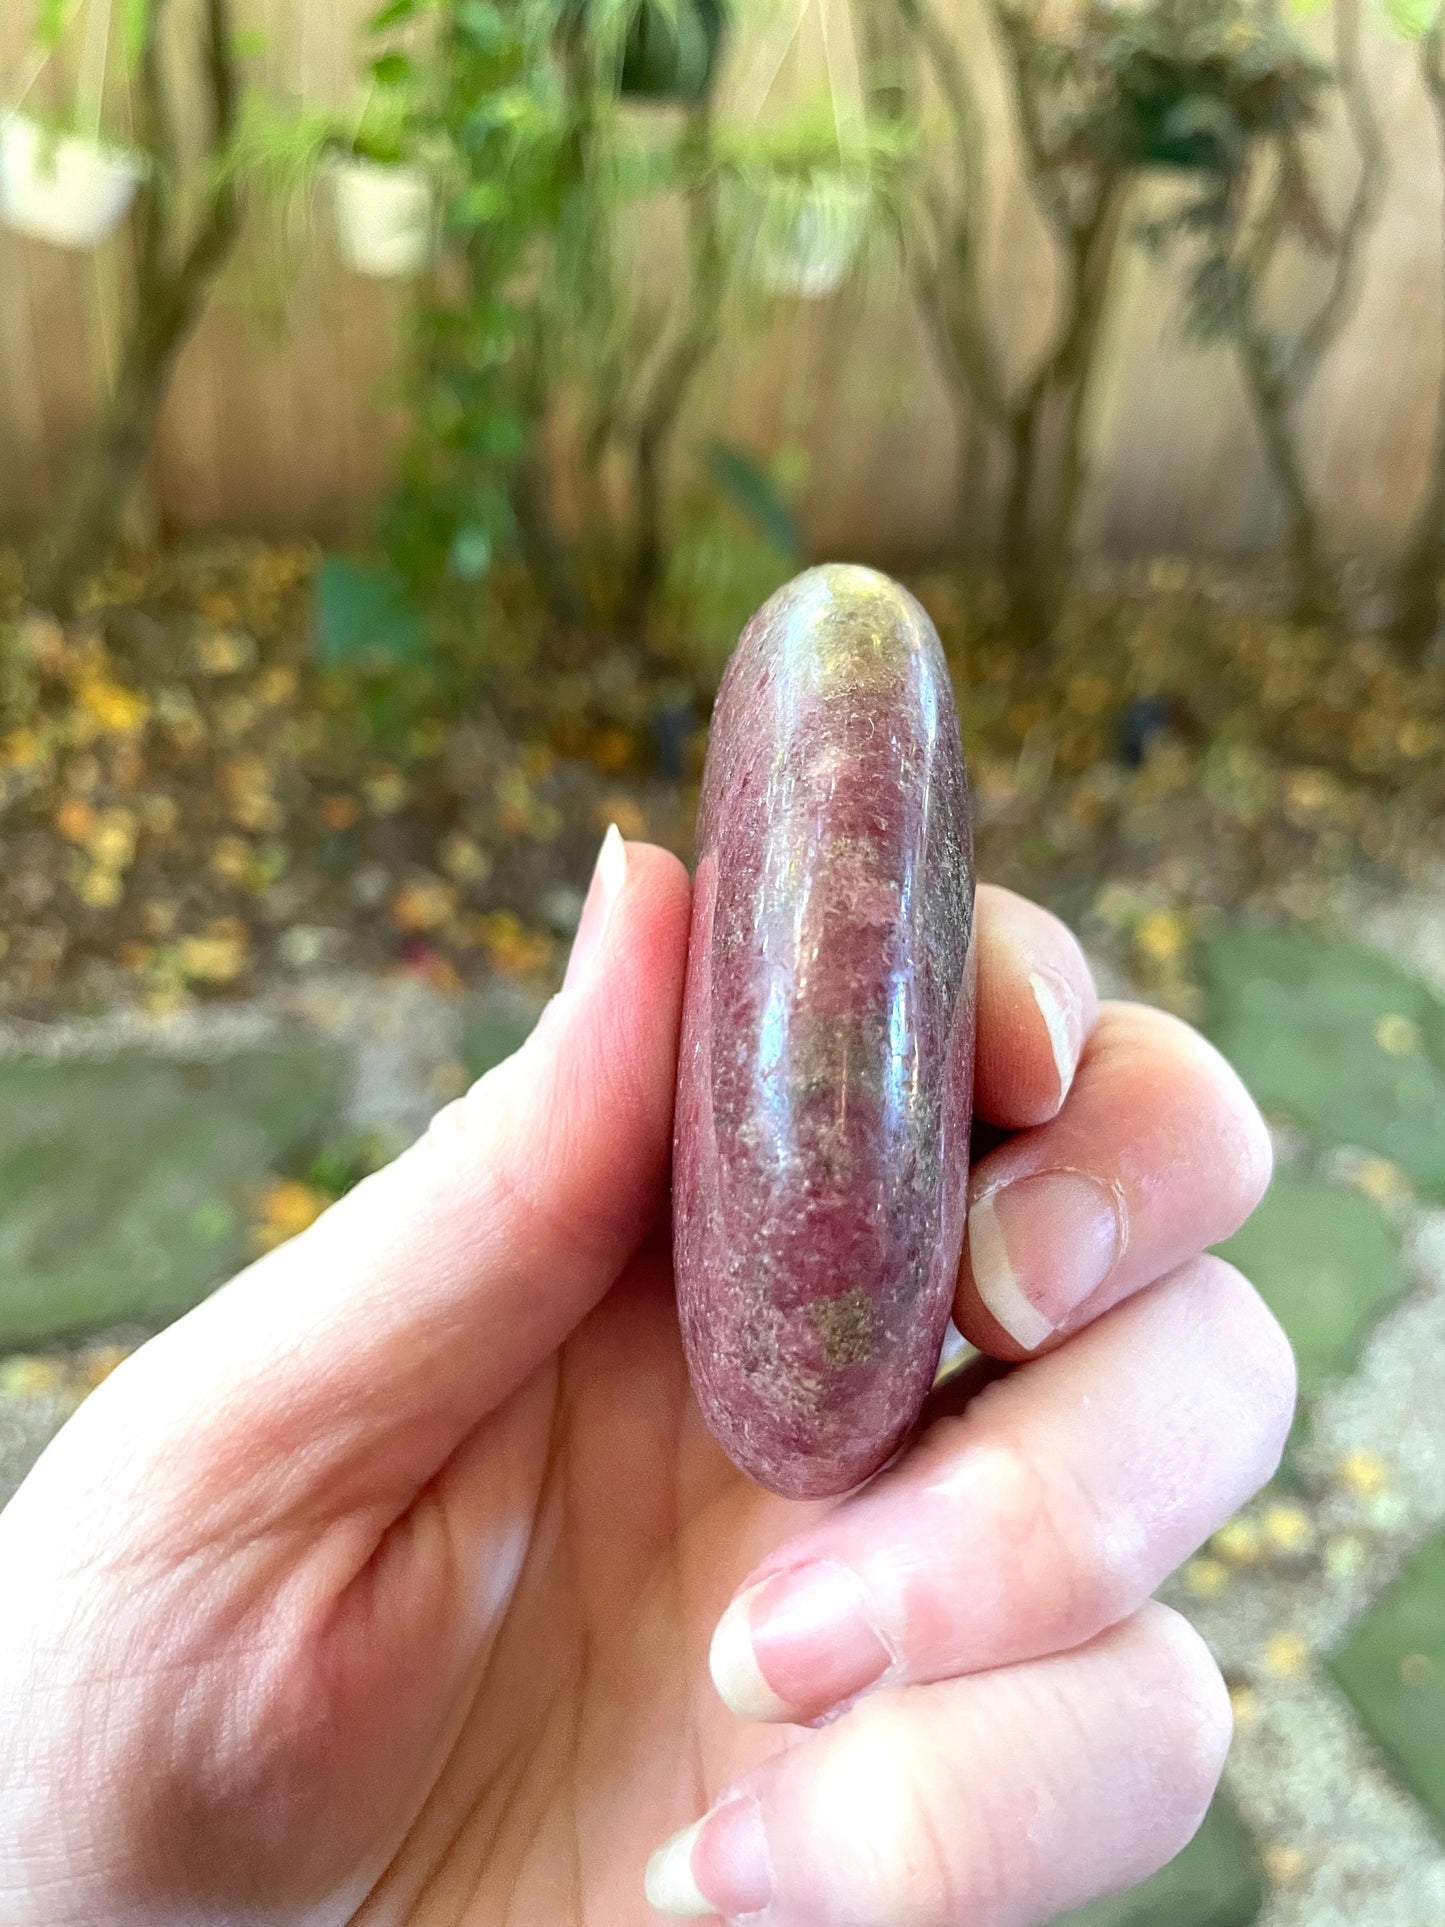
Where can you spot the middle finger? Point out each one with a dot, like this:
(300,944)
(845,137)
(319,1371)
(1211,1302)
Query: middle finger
(1050,1510)
(1157,1153)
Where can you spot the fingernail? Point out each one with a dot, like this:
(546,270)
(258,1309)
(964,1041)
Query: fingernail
(798,1644)
(718,1865)
(1064,1022)
(608,878)
(1040,1246)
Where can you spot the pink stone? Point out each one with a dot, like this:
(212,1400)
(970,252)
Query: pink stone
(825,1081)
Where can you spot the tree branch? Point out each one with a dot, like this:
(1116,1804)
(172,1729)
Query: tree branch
(953,289)
(1333,311)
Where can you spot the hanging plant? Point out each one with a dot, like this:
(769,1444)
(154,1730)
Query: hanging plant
(383,200)
(1188,86)
(385,216)
(68,189)
(671,52)
(808,183)
(62,182)
(809,230)
(384,203)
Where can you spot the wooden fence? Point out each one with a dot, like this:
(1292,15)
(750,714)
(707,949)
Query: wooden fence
(286,426)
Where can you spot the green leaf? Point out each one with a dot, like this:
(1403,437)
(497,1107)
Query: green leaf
(391,69)
(51,19)
(482,24)
(1411,19)
(364,616)
(745,481)
(135,26)
(395,14)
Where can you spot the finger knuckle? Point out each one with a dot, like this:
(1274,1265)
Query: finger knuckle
(1083,1555)
(892,1811)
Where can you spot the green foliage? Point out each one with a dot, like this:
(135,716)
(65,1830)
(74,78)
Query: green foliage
(364,617)
(750,486)
(552,194)
(1189,84)
(508,130)
(52,17)
(720,568)
(671,53)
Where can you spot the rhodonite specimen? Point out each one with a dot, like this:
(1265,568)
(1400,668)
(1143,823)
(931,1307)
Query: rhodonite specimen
(825,1082)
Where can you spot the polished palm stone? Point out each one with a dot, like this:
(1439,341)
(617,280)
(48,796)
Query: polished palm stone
(825,1078)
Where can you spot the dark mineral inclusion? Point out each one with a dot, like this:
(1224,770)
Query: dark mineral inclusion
(826,1072)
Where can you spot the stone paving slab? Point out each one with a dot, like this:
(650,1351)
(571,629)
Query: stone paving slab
(122,1183)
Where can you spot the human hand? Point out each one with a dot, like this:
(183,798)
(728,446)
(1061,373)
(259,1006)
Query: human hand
(380,1588)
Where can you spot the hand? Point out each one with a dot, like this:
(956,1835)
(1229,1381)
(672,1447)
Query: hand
(380,1588)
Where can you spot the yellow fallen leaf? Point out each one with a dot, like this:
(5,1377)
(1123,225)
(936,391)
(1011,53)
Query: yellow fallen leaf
(1284,1865)
(285,1208)
(463,860)
(114,709)
(612,750)
(75,819)
(338,812)
(512,947)
(1364,1473)
(1245,1702)
(1206,1578)
(1382,1181)
(276,685)
(99,889)
(625,812)
(25,1376)
(386,791)
(1397,1036)
(21,750)
(216,959)
(1287,1528)
(423,904)
(229,860)
(1160,935)
(160,814)
(1237,1543)
(112,839)
(1286,1656)
(97,1363)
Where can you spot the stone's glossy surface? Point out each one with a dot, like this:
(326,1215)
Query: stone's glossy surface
(825,1078)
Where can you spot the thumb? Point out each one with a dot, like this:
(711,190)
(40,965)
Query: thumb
(357,1357)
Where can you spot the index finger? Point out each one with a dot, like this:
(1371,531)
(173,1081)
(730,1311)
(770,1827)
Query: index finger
(1037,1006)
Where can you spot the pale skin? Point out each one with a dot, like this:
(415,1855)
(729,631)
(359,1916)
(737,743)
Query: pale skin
(380,1588)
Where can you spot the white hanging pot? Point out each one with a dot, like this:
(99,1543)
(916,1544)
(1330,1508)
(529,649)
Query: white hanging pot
(385,220)
(66,189)
(808,235)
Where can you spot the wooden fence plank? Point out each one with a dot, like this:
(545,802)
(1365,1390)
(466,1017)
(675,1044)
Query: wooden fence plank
(294,431)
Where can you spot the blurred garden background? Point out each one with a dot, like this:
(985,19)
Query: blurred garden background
(401,410)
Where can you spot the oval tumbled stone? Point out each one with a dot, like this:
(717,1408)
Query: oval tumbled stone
(820,1155)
